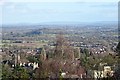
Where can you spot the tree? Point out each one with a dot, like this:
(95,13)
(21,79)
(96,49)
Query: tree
(43,70)
(117,73)
(32,59)
(60,42)
(17,73)
(63,49)
(43,54)
(20,73)
(118,48)
(109,59)
(6,71)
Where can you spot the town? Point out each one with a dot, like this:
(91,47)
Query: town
(54,51)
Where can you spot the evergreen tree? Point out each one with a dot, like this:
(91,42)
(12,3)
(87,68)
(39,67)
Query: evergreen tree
(20,73)
(118,48)
(117,73)
(6,72)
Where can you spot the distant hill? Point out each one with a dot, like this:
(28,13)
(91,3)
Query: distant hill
(59,24)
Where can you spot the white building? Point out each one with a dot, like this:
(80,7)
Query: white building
(107,71)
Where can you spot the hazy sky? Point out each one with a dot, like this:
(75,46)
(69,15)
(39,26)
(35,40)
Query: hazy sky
(73,11)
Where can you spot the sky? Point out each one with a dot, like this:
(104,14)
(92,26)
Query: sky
(35,12)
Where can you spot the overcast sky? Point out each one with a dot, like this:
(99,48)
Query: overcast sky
(14,12)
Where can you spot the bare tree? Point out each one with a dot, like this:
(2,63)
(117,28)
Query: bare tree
(63,49)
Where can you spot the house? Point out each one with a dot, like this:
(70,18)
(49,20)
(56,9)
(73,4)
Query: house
(98,74)
(106,72)
(34,65)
